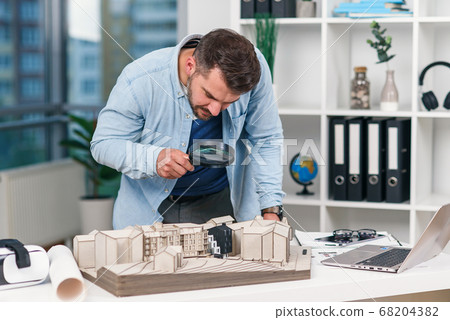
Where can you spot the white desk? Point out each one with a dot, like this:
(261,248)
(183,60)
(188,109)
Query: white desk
(327,284)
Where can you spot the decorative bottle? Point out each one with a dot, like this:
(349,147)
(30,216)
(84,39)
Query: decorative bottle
(389,95)
(360,90)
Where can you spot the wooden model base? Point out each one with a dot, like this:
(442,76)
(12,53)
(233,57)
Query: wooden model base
(199,273)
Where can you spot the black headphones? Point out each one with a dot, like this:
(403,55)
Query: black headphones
(428,98)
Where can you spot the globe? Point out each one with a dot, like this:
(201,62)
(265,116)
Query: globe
(303,170)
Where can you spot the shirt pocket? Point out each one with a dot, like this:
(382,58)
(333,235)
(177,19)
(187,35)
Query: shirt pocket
(238,124)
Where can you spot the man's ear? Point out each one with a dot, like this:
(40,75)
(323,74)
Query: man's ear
(190,66)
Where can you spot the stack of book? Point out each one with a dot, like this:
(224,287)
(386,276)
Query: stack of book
(372,9)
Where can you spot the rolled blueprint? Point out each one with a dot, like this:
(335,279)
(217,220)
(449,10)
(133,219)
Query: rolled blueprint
(65,276)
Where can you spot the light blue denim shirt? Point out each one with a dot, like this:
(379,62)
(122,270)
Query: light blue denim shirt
(148,111)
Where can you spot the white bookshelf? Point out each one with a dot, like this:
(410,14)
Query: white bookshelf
(314,63)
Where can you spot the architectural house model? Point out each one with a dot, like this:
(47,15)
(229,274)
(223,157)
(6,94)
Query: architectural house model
(256,251)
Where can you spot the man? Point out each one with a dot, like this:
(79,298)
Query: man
(212,87)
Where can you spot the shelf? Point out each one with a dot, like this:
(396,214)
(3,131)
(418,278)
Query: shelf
(434,19)
(350,21)
(368,205)
(398,20)
(381,219)
(432,202)
(434,114)
(368,113)
(286,21)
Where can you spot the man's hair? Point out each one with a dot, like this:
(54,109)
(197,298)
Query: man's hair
(233,54)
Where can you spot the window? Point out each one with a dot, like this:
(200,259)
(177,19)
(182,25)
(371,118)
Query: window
(5,87)
(89,62)
(5,11)
(5,34)
(22,147)
(92,51)
(32,62)
(5,62)
(89,87)
(29,11)
(31,36)
(29,39)
(32,88)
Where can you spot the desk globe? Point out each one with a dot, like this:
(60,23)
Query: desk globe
(303,170)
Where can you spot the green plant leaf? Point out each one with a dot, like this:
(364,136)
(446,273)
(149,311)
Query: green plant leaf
(88,126)
(75,144)
(266,38)
(383,43)
(107,173)
(82,135)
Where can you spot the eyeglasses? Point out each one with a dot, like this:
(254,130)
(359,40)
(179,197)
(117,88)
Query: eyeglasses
(346,235)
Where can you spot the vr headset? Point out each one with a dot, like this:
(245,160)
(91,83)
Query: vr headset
(21,265)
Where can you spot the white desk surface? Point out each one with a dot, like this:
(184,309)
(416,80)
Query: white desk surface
(327,284)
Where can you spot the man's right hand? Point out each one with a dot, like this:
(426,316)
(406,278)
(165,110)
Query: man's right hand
(173,164)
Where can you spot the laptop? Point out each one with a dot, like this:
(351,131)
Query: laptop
(398,259)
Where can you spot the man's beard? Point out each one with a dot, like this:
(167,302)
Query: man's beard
(196,109)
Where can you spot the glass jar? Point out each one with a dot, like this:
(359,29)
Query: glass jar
(360,90)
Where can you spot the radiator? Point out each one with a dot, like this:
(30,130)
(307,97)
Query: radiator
(39,203)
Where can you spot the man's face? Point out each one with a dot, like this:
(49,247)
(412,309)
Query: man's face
(209,95)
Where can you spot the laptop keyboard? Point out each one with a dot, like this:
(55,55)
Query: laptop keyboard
(387,259)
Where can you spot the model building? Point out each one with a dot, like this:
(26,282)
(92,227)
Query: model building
(174,257)
(256,240)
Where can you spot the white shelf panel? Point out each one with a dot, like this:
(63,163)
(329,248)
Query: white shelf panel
(293,199)
(368,113)
(349,21)
(434,114)
(286,21)
(369,205)
(432,202)
(298,110)
(433,19)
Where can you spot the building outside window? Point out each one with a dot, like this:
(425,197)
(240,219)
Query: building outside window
(5,10)
(29,11)
(94,61)
(90,61)
(31,62)
(5,87)
(89,87)
(5,34)
(5,62)
(31,37)
(32,88)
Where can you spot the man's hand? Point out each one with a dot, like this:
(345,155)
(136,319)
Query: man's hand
(173,164)
(271,216)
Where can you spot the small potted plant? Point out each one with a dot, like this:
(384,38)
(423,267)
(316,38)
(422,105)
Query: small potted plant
(382,44)
(95,209)
(266,39)
(306,9)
